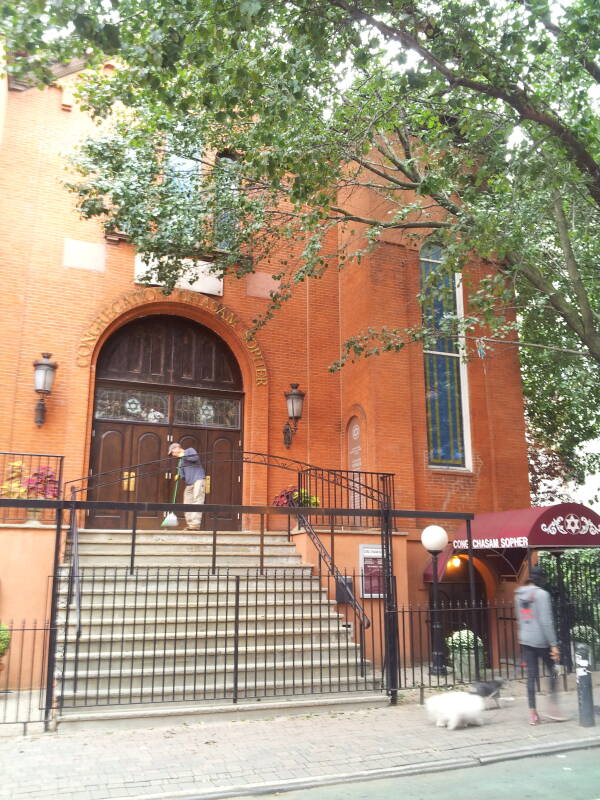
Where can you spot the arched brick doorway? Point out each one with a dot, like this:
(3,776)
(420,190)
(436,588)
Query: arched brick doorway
(161,379)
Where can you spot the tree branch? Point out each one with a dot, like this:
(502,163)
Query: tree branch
(346,216)
(587,315)
(513,96)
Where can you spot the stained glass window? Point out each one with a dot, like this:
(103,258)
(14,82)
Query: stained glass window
(207,412)
(226,192)
(132,405)
(443,389)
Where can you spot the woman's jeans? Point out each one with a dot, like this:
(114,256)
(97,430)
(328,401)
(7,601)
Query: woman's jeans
(531,656)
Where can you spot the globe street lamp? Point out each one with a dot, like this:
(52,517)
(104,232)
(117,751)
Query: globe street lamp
(434,539)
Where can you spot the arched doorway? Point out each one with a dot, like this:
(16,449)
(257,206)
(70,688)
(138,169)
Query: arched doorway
(161,379)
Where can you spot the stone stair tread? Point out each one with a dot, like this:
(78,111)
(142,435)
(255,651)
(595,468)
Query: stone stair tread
(163,531)
(106,551)
(204,618)
(213,669)
(312,603)
(157,711)
(185,543)
(218,634)
(247,685)
(128,655)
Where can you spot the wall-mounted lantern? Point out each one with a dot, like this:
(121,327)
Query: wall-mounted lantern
(295,405)
(44,371)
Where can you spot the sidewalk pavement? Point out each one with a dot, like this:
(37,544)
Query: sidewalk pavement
(246,756)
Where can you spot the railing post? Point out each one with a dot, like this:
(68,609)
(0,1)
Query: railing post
(390,606)
(133,541)
(213,559)
(236,639)
(332,541)
(473,595)
(262,544)
(564,621)
(52,633)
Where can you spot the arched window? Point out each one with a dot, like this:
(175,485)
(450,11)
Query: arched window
(445,374)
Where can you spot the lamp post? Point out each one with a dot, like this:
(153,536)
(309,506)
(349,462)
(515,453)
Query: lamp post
(434,539)
(295,406)
(44,371)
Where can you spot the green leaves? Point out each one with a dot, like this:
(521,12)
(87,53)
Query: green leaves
(472,138)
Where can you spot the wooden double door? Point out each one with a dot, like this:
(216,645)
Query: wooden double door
(162,380)
(119,446)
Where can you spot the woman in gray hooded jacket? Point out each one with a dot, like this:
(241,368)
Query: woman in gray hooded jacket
(537,637)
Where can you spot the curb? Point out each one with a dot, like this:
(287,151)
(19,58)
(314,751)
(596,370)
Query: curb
(419,768)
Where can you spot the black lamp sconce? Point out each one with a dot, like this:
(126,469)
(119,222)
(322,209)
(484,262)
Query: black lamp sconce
(44,371)
(295,405)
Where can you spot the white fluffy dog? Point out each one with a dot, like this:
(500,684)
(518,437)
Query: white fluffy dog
(455,709)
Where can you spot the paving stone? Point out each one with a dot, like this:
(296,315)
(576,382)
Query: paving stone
(196,757)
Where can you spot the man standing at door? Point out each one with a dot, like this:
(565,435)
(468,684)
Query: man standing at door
(192,472)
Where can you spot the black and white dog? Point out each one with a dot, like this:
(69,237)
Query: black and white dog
(487,689)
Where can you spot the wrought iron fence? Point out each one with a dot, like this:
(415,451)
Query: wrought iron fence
(341,489)
(574,583)
(29,476)
(478,643)
(23,672)
(184,635)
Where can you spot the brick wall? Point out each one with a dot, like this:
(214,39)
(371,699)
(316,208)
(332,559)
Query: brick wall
(47,307)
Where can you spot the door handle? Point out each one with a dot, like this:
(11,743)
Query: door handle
(207,484)
(128,481)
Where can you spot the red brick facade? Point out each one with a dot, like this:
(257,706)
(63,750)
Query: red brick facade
(70,312)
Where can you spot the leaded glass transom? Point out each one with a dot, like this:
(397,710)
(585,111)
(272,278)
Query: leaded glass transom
(132,405)
(206,412)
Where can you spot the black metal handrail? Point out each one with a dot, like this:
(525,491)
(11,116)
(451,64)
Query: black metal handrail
(74,592)
(340,478)
(324,556)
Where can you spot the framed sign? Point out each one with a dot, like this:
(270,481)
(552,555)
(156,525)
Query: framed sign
(371,570)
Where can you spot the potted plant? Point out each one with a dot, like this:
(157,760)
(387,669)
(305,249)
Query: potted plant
(291,496)
(13,486)
(40,485)
(4,642)
(461,647)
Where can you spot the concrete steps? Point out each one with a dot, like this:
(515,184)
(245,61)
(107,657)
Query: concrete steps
(171,630)
(186,549)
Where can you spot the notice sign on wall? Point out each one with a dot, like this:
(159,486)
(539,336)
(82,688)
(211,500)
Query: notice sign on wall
(371,570)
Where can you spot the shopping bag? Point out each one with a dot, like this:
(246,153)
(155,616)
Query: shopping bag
(170,520)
